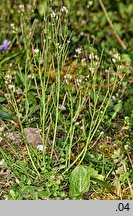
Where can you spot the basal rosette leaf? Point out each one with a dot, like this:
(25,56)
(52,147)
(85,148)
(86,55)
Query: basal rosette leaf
(79,182)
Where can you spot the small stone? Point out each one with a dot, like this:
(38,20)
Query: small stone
(32,134)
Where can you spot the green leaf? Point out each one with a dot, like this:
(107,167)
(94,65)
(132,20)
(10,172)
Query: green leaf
(94,173)
(79,182)
(122,9)
(9,57)
(5,115)
(128,106)
(42,8)
(101,182)
(2,99)
(118,107)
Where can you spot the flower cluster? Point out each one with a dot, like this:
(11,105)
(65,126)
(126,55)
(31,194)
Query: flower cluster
(90,3)
(8,79)
(67,78)
(64,10)
(21,8)
(14,28)
(115,57)
(78,51)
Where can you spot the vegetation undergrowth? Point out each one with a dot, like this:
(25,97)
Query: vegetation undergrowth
(66,108)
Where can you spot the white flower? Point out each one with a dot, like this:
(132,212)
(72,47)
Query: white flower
(30,76)
(64,9)
(78,81)
(40,147)
(119,66)
(90,3)
(68,76)
(7,96)
(17,180)
(8,78)
(62,107)
(88,76)
(36,51)
(115,57)
(21,8)
(96,57)
(113,97)
(92,69)
(2,162)
(83,60)
(1,129)
(114,60)
(78,50)
(12,87)
(126,147)
(82,33)
(91,56)
(44,31)
(53,14)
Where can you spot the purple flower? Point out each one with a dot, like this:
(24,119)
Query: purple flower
(5,45)
(108,33)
